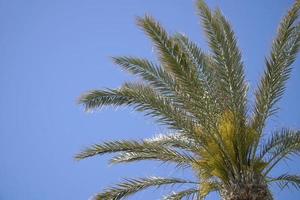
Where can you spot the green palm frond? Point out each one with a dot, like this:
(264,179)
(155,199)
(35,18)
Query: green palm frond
(175,61)
(278,140)
(144,99)
(113,147)
(178,140)
(227,57)
(187,194)
(135,151)
(98,98)
(286,180)
(157,77)
(280,146)
(229,70)
(207,187)
(132,186)
(164,83)
(203,62)
(164,155)
(205,67)
(278,68)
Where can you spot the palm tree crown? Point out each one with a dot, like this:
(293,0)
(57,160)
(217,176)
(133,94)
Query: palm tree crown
(202,98)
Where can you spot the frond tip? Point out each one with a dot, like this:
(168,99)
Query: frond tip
(226,54)
(286,180)
(278,68)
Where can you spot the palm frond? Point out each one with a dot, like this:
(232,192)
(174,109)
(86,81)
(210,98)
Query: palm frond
(113,147)
(141,150)
(229,70)
(278,68)
(280,146)
(176,62)
(144,99)
(178,140)
(165,84)
(205,68)
(286,180)
(227,56)
(132,186)
(163,154)
(203,62)
(173,60)
(283,137)
(203,99)
(157,77)
(207,187)
(187,194)
(135,151)
(96,99)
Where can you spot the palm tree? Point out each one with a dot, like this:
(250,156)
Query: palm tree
(202,99)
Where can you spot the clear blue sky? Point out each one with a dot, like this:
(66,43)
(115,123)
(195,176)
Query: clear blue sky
(52,51)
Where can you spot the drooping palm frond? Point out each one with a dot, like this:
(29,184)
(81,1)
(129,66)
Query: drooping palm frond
(154,149)
(283,138)
(286,180)
(187,194)
(281,145)
(144,99)
(278,68)
(178,140)
(164,155)
(116,146)
(131,186)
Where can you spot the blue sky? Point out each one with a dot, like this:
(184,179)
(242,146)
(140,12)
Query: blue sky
(53,51)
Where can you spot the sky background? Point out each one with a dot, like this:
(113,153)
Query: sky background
(53,51)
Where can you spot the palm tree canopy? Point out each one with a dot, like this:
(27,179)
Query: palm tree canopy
(202,98)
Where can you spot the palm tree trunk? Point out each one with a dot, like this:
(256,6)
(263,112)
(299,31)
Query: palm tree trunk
(246,192)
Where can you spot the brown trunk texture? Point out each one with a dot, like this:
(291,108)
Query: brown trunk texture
(246,192)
